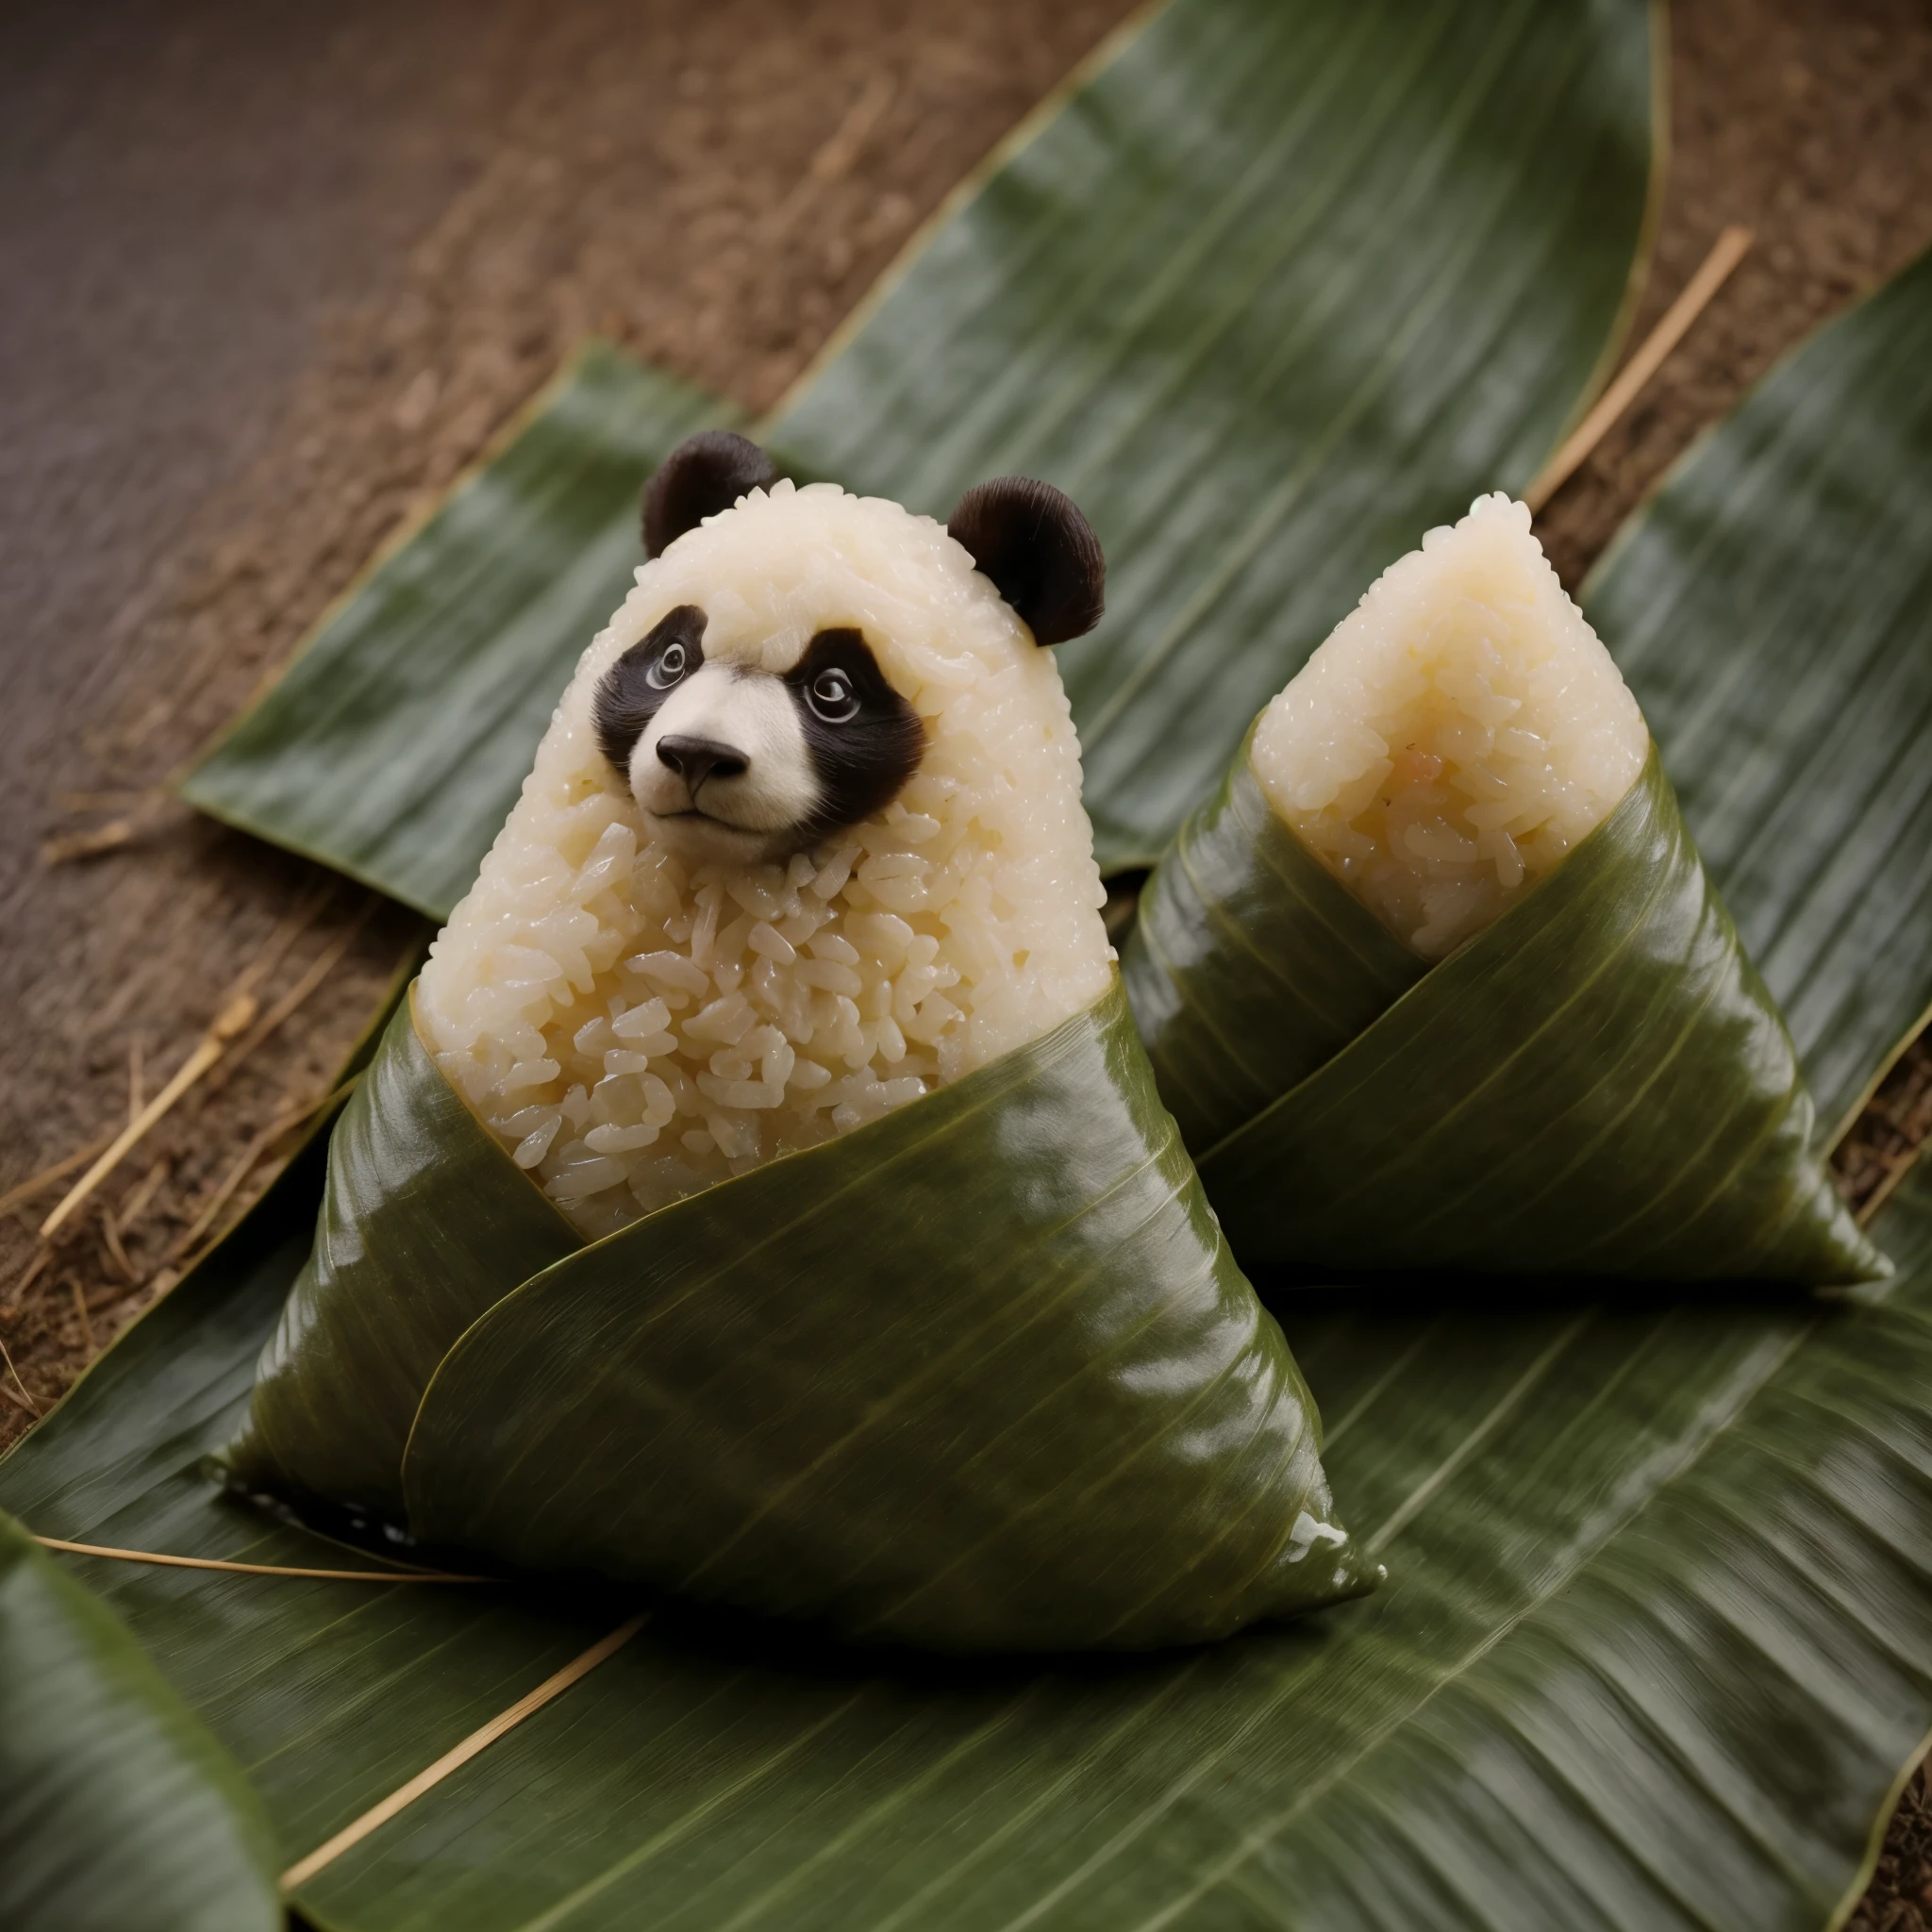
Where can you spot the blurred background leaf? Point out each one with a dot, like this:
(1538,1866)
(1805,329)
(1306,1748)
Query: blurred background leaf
(117,1809)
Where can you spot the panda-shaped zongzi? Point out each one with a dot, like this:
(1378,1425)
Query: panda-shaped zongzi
(803,840)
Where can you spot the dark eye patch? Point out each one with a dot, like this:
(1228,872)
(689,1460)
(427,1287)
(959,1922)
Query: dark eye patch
(864,739)
(643,678)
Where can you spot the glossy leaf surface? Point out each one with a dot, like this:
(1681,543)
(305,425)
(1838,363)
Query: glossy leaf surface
(1247,968)
(394,746)
(981,1374)
(426,1222)
(117,1809)
(1598,1083)
(1271,288)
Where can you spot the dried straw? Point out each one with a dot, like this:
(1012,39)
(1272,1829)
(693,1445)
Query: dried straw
(478,1741)
(399,1575)
(233,1019)
(111,1237)
(87,1327)
(1725,253)
(1896,1168)
(244,1164)
(28,1274)
(237,1014)
(294,997)
(143,1193)
(69,846)
(33,1407)
(836,156)
(139,810)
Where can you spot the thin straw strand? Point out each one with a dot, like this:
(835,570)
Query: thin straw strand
(478,1741)
(301,916)
(117,1252)
(1725,253)
(30,1273)
(33,1407)
(235,1016)
(294,997)
(246,1163)
(397,1576)
(1896,1169)
(87,1327)
(141,1197)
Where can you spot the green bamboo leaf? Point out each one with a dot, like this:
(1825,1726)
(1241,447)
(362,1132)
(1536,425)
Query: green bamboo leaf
(1598,1083)
(1247,967)
(981,1374)
(1769,609)
(1267,289)
(117,1809)
(393,746)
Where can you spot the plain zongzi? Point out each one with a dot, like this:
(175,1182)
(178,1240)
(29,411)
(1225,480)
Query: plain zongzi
(1438,979)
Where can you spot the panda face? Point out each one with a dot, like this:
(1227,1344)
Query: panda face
(731,761)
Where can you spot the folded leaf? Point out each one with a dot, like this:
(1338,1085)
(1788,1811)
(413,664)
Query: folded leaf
(420,1231)
(117,1809)
(1599,1082)
(981,1374)
(1249,966)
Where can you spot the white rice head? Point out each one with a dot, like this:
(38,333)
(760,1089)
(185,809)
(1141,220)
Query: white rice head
(633,1031)
(1455,735)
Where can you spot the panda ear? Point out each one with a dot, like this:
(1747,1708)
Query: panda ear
(704,474)
(1039,550)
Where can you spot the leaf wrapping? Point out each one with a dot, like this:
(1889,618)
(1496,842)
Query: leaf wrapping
(981,1374)
(1598,1083)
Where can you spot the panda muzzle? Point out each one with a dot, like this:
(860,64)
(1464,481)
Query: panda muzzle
(694,759)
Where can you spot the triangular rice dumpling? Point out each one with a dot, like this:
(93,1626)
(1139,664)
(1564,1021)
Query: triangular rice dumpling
(1438,978)
(764,1195)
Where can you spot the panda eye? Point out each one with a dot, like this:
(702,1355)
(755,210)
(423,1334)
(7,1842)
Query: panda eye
(669,667)
(832,697)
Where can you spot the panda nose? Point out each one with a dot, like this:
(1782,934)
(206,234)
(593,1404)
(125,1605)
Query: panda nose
(694,759)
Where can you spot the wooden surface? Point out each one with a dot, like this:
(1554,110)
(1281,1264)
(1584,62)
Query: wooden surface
(274,276)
